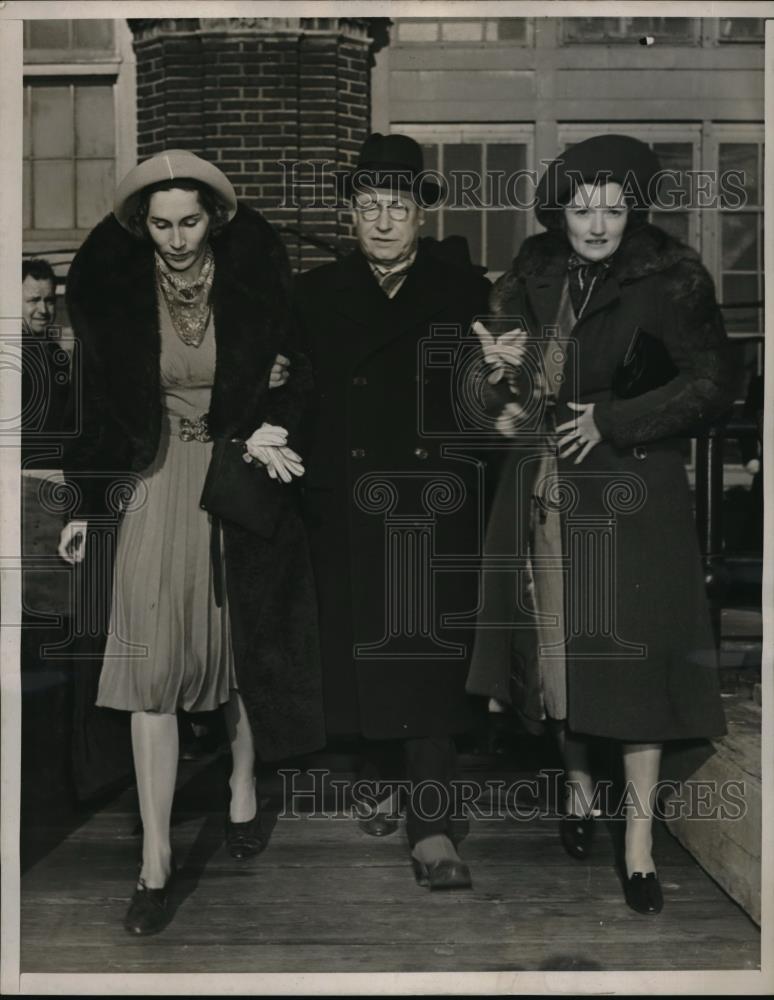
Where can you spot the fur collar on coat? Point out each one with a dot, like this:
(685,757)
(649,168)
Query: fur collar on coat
(111,298)
(643,251)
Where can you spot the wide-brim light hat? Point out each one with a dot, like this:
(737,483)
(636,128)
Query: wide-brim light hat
(170,165)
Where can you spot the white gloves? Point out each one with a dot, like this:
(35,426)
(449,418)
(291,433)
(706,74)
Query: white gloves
(268,445)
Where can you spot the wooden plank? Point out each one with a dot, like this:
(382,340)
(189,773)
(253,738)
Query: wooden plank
(325,897)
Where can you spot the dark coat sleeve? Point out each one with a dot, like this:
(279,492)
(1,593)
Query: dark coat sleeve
(691,327)
(98,446)
(288,405)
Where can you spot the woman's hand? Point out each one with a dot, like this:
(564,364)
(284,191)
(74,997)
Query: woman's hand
(581,432)
(268,445)
(280,372)
(504,354)
(72,542)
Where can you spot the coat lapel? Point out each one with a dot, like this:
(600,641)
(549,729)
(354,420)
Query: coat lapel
(381,320)
(544,292)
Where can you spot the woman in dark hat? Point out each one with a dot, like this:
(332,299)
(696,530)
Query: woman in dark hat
(179,301)
(614,348)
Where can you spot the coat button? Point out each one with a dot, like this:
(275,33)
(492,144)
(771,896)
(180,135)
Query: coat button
(359,380)
(639,452)
(421,452)
(358,453)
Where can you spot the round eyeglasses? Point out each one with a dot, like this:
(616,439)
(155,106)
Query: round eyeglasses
(373,209)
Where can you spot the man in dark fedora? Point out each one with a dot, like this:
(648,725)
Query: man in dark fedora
(393,505)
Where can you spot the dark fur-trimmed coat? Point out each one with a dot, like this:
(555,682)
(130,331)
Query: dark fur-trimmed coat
(111,298)
(645,669)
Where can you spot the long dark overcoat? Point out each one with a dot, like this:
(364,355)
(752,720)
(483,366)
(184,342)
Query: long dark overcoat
(394,515)
(112,302)
(641,661)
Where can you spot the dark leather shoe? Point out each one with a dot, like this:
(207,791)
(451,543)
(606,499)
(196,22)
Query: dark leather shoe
(378,825)
(149,911)
(245,840)
(576,834)
(643,893)
(444,874)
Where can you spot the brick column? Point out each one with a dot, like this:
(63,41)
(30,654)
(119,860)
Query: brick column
(261,97)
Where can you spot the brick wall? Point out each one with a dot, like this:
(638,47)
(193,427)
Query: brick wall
(259,97)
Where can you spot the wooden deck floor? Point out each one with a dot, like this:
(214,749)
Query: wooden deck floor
(324,897)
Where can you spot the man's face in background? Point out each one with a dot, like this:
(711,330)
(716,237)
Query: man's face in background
(38,304)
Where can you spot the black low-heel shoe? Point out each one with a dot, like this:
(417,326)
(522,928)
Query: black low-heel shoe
(444,874)
(245,840)
(149,910)
(577,834)
(643,893)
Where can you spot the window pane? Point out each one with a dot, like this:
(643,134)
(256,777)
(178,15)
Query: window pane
(739,241)
(507,158)
(94,129)
(742,156)
(674,223)
(738,289)
(26,137)
(26,195)
(462,169)
(467,224)
(512,29)
(430,155)
(52,124)
(505,233)
(417,31)
(591,29)
(462,31)
(95,190)
(741,29)
(49,34)
(52,182)
(93,34)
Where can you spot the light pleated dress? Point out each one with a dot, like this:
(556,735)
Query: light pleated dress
(169,644)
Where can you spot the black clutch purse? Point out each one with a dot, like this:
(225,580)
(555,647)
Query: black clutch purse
(646,366)
(241,492)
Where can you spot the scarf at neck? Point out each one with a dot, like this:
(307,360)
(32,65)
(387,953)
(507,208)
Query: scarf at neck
(584,278)
(392,275)
(188,300)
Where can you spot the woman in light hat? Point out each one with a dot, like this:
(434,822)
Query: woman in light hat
(179,302)
(614,348)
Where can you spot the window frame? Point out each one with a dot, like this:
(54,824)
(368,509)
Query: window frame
(484,41)
(117,69)
(522,133)
(695,41)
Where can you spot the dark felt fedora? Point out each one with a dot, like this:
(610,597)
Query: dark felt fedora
(393,162)
(597,160)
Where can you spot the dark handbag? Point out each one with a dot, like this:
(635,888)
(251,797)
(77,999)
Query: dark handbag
(646,366)
(241,492)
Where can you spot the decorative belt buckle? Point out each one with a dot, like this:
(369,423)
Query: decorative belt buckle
(195,430)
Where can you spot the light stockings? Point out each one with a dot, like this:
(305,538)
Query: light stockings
(155,747)
(641,768)
(244,803)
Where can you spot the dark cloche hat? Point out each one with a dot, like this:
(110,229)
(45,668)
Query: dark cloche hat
(602,158)
(394,162)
